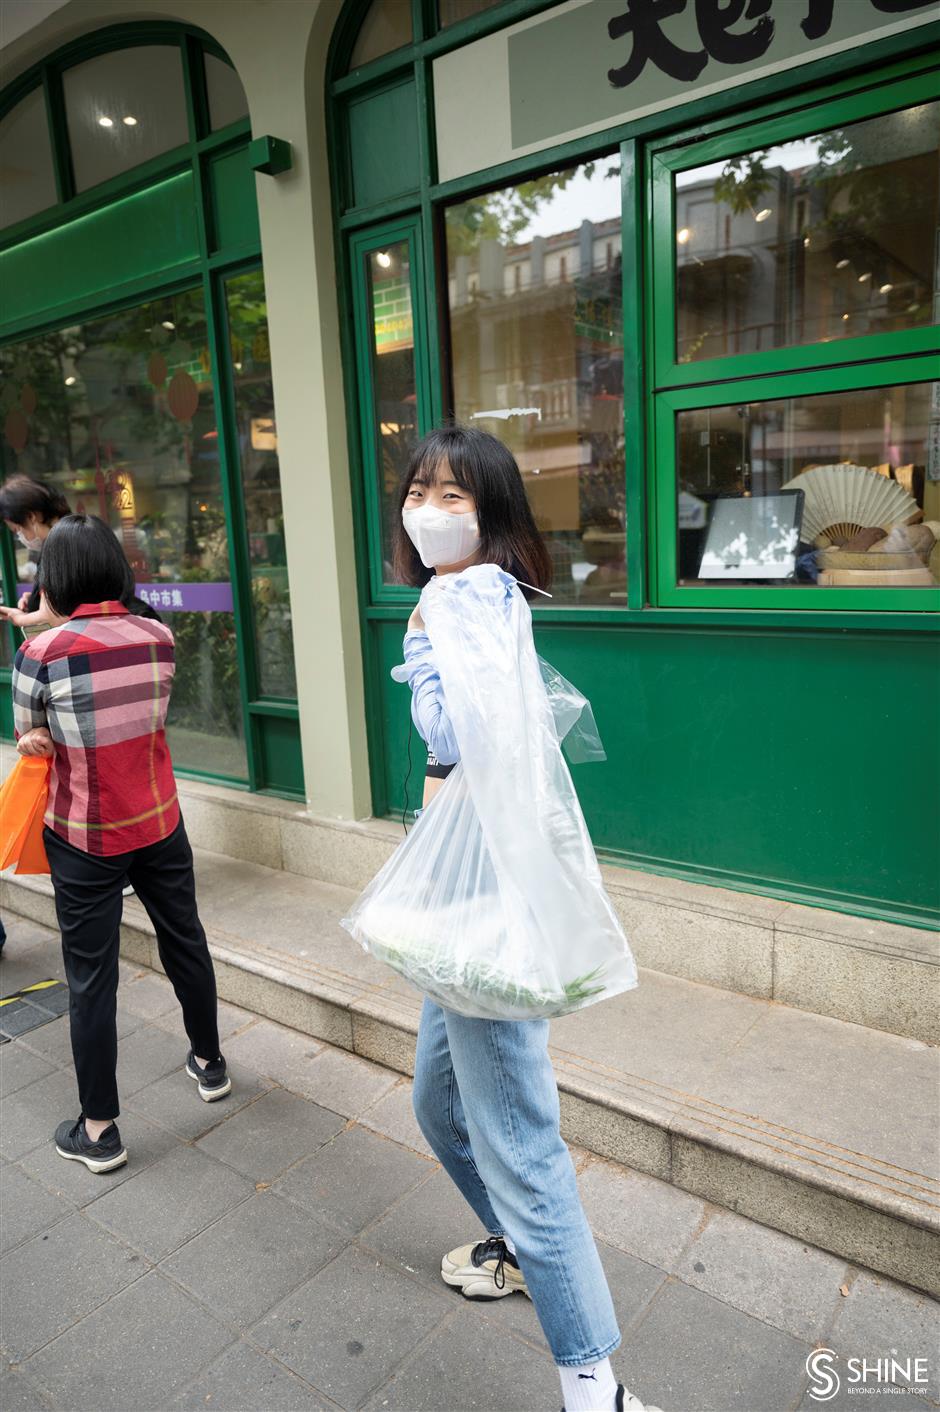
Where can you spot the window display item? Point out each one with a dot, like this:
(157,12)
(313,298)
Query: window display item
(753,537)
(843,499)
(494,904)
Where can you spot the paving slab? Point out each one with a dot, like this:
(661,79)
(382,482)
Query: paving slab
(784,1281)
(689,1352)
(32,1114)
(19,1067)
(56,1278)
(170,1202)
(271,1134)
(640,1214)
(273,1050)
(394,1116)
(342,1082)
(18,1394)
(174,1101)
(245,1379)
(880,1319)
(26,1207)
(352,1179)
(469,1363)
(145,1056)
(350,1327)
(253,1257)
(137,1351)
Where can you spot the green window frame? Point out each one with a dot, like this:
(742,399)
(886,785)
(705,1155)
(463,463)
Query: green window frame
(851,364)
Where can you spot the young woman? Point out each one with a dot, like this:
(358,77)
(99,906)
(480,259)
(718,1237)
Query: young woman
(485,1095)
(92,695)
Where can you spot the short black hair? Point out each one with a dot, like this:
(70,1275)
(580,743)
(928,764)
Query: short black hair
(22,497)
(483,466)
(82,562)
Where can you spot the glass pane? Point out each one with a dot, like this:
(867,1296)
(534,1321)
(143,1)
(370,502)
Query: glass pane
(824,238)
(26,174)
(123,108)
(118,413)
(387,26)
(536,327)
(261,482)
(450,11)
(227,101)
(866,466)
(388,282)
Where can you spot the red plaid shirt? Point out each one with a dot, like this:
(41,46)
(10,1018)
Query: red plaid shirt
(101,686)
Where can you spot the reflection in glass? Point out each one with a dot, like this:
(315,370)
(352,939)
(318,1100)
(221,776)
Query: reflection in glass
(227,101)
(26,174)
(388,282)
(387,26)
(534,289)
(451,11)
(123,108)
(261,482)
(118,413)
(820,239)
(840,489)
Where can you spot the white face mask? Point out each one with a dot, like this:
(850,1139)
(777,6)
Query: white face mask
(33,545)
(441,536)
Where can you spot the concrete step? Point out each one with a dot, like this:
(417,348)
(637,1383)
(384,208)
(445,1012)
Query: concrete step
(867,971)
(817,1127)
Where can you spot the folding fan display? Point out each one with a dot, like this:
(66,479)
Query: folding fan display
(843,499)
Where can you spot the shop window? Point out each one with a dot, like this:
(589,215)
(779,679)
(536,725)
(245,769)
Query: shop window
(819,239)
(227,100)
(123,108)
(261,483)
(119,414)
(539,363)
(27,177)
(813,491)
(387,26)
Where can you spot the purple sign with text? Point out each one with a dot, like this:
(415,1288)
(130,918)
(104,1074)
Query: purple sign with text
(187,597)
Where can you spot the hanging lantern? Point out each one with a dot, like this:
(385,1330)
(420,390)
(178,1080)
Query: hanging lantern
(28,399)
(182,396)
(16,429)
(156,370)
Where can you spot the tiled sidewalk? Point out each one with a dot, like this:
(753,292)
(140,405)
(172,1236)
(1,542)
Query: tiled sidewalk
(281,1249)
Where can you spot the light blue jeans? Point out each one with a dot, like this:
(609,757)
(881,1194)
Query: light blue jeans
(486,1100)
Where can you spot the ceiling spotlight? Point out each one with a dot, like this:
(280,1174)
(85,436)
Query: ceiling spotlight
(384,259)
(129,121)
(841,264)
(886,289)
(864,277)
(71,381)
(912,308)
(106,122)
(762,215)
(168,323)
(805,242)
(684,235)
(845,316)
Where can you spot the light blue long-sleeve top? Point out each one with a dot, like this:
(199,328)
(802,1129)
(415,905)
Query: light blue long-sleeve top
(428,707)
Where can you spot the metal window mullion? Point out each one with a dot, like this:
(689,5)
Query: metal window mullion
(431,252)
(58,133)
(632,287)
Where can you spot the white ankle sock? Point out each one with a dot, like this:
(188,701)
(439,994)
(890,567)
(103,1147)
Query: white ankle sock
(591,1388)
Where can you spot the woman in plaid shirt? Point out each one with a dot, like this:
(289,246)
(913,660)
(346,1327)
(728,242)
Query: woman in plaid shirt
(92,694)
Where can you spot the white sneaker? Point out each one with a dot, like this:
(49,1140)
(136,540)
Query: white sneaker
(627,1402)
(484,1270)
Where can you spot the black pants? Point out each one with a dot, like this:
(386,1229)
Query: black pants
(89,903)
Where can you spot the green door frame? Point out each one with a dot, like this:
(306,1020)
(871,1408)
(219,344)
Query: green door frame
(222,249)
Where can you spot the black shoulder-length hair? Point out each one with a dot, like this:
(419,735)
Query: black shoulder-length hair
(21,497)
(487,470)
(82,562)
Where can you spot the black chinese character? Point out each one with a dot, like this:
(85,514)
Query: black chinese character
(818,19)
(642,18)
(715,18)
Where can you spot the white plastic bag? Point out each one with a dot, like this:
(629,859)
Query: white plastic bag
(494,904)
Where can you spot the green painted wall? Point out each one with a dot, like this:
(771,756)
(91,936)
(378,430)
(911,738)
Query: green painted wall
(775,762)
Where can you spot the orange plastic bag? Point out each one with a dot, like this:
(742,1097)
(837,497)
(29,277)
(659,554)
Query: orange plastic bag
(23,796)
